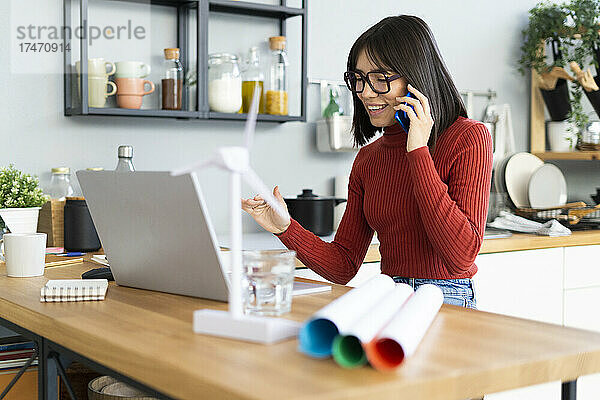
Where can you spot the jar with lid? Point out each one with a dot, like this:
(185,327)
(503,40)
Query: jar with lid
(277,90)
(224,83)
(60,184)
(79,230)
(125,163)
(253,78)
(172,81)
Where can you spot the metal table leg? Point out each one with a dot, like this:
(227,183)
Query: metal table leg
(47,374)
(569,390)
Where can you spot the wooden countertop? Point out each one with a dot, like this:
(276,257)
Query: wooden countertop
(519,241)
(523,241)
(148,337)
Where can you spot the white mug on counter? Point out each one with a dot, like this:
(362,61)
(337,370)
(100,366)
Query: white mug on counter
(132,69)
(24,254)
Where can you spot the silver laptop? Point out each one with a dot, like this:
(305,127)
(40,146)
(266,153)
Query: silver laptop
(155,231)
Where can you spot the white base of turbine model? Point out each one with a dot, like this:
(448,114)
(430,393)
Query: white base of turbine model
(233,323)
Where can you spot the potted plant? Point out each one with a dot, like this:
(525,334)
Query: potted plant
(585,44)
(20,200)
(546,29)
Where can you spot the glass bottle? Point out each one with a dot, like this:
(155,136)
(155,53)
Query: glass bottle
(172,81)
(277,90)
(333,108)
(60,184)
(252,77)
(224,83)
(125,163)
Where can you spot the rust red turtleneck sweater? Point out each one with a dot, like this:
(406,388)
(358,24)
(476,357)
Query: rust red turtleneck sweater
(429,211)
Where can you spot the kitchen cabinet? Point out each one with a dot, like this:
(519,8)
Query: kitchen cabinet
(526,284)
(581,297)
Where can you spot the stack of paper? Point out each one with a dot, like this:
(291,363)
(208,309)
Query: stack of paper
(62,290)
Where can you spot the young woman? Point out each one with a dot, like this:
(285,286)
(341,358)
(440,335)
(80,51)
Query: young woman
(425,192)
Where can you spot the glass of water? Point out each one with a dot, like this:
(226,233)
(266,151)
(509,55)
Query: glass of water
(268,281)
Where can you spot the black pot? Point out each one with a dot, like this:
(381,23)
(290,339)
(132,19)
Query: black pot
(313,212)
(80,232)
(557,101)
(594,97)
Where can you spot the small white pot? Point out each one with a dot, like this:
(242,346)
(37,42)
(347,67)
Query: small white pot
(21,220)
(559,136)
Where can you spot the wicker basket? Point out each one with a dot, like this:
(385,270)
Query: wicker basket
(569,214)
(98,385)
(588,146)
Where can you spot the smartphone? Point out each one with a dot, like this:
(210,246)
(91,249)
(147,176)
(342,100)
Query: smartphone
(402,117)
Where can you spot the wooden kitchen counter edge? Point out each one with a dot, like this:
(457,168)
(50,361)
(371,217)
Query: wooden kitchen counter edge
(518,242)
(134,329)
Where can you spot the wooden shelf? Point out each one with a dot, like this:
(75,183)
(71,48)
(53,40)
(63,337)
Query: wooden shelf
(571,155)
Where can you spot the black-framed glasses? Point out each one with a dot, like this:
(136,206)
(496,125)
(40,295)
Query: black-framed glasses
(378,81)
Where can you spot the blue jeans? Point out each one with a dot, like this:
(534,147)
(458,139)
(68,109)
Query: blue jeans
(458,292)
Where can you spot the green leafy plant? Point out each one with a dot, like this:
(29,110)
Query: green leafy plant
(583,42)
(570,30)
(19,190)
(547,24)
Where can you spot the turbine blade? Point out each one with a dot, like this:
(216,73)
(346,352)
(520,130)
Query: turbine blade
(191,168)
(251,120)
(257,184)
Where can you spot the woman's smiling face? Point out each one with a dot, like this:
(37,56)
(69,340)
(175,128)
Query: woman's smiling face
(379,106)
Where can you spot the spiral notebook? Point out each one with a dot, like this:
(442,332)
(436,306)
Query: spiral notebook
(65,290)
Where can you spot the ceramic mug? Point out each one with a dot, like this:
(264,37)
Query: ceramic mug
(24,254)
(132,69)
(97,92)
(97,67)
(130,91)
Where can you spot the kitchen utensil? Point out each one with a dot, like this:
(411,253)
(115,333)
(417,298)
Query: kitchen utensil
(519,169)
(334,134)
(313,212)
(547,187)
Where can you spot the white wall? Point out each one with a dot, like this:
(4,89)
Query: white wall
(479,39)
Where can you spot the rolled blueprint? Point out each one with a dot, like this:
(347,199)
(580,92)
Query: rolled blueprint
(348,345)
(317,334)
(400,338)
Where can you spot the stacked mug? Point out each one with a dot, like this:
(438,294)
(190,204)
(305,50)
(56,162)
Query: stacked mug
(98,81)
(130,85)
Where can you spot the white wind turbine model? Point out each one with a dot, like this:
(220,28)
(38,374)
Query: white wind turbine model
(234,323)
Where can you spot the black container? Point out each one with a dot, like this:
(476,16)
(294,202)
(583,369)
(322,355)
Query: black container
(313,212)
(594,97)
(557,101)
(80,232)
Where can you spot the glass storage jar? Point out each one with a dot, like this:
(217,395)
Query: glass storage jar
(224,83)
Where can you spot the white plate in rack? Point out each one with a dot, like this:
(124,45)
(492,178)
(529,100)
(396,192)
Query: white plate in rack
(547,187)
(518,171)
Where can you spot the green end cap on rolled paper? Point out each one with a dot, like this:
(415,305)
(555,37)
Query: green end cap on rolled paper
(348,352)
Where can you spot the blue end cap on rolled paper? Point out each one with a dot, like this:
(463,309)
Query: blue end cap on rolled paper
(316,338)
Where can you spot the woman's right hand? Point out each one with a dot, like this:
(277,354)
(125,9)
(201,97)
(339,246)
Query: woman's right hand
(264,215)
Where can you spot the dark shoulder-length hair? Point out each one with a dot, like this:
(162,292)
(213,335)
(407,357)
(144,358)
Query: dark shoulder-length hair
(405,45)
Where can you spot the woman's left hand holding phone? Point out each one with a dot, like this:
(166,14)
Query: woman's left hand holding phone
(421,121)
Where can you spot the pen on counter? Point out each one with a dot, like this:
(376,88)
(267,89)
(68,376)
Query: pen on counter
(71,254)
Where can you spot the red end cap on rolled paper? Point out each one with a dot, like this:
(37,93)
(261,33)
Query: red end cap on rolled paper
(384,354)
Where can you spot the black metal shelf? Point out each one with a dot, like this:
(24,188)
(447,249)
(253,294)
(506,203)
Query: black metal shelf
(143,112)
(75,104)
(254,9)
(259,117)
(170,3)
